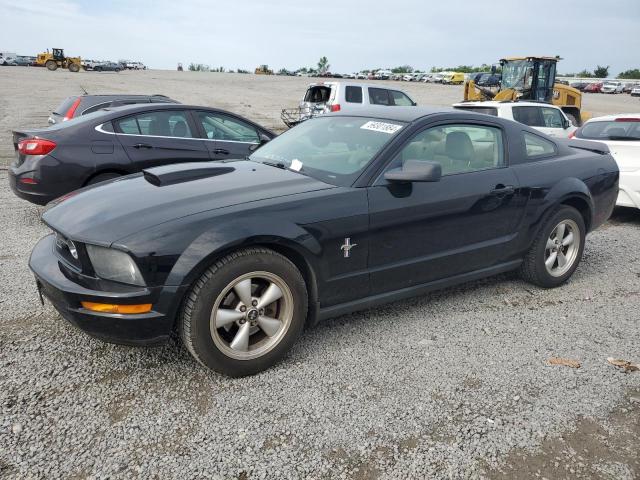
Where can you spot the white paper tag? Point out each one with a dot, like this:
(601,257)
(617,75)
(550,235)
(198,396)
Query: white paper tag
(381,127)
(296,165)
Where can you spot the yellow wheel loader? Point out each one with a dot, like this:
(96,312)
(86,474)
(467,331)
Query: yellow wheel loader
(57,59)
(263,70)
(531,79)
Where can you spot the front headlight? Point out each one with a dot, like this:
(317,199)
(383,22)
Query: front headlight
(115,265)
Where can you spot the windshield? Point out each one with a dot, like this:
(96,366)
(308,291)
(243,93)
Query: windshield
(335,150)
(517,74)
(621,129)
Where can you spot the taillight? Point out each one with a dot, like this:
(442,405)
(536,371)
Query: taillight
(72,110)
(572,134)
(335,108)
(36,146)
(627,119)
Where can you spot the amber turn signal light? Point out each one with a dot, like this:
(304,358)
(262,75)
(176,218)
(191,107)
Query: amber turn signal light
(114,308)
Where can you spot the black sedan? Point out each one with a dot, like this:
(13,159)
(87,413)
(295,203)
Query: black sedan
(109,143)
(340,213)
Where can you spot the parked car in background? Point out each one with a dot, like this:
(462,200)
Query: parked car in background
(24,61)
(77,105)
(628,87)
(580,85)
(544,117)
(621,133)
(8,59)
(453,78)
(340,214)
(635,91)
(107,67)
(382,75)
(325,97)
(595,87)
(487,79)
(612,87)
(121,140)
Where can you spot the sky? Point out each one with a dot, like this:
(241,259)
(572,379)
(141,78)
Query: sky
(353,34)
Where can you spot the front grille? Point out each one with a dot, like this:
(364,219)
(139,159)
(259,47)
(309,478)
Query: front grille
(68,251)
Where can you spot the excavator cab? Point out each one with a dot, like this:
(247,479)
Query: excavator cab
(531,77)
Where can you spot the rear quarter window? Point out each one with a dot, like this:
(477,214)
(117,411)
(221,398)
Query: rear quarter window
(65,106)
(538,147)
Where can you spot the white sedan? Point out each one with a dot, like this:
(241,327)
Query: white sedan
(621,133)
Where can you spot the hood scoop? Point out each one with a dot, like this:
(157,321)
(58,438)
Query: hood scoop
(185,172)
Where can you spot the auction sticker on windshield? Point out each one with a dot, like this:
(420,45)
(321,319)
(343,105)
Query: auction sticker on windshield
(381,127)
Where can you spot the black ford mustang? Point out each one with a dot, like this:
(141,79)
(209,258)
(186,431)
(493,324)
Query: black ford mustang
(340,213)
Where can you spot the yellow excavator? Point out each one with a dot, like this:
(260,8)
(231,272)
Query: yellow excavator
(532,79)
(57,59)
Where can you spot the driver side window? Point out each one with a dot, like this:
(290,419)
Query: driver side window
(458,148)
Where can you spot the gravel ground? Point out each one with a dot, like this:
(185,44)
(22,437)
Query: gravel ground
(450,385)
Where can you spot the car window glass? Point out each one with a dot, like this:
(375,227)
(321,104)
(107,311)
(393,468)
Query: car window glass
(223,127)
(400,98)
(552,118)
(169,123)
(457,148)
(531,116)
(97,107)
(379,96)
(537,146)
(353,94)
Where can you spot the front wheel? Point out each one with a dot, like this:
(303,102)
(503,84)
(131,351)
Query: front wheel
(74,67)
(245,312)
(51,65)
(556,250)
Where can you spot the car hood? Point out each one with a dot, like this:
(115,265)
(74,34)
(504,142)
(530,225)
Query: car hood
(104,213)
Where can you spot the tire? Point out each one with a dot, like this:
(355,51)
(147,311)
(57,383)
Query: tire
(102,177)
(74,67)
(533,268)
(97,69)
(217,345)
(51,65)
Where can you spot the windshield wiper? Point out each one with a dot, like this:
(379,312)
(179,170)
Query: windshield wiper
(276,164)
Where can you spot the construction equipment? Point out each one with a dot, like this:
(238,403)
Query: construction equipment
(531,79)
(57,59)
(263,70)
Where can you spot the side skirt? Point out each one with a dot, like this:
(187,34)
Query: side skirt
(416,290)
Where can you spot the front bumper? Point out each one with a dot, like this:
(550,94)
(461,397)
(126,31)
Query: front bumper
(65,293)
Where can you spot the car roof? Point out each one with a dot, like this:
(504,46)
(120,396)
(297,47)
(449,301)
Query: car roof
(120,95)
(612,118)
(399,114)
(495,103)
(352,84)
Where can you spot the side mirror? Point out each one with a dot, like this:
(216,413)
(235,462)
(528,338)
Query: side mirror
(263,139)
(415,171)
(565,123)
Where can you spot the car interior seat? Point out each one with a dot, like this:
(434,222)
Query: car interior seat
(159,128)
(180,129)
(459,150)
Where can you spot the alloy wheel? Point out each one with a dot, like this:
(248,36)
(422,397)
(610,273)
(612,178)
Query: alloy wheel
(251,315)
(562,248)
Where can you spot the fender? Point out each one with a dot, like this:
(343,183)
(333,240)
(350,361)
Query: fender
(565,190)
(236,233)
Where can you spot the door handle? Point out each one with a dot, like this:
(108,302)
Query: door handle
(142,145)
(502,190)
(221,151)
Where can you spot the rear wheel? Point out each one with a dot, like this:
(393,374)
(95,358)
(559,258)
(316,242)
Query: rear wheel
(103,177)
(51,65)
(245,312)
(557,249)
(74,67)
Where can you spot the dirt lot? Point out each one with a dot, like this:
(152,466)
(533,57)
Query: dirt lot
(455,384)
